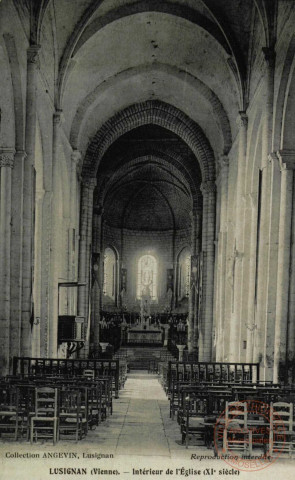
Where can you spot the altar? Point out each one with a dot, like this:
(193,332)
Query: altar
(144,335)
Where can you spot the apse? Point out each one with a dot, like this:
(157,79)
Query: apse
(145,193)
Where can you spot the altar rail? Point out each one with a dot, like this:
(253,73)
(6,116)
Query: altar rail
(26,366)
(215,372)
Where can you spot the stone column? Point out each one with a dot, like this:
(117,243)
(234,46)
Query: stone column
(198,232)
(181,349)
(282,343)
(96,289)
(6,165)
(268,248)
(291,302)
(38,274)
(28,198)
(75,166)
(252,200)
(16,254)
(221,269)
(236,318)
(56,236)
(192,292)
(88,185)
(208,189)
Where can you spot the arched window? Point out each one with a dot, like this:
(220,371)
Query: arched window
(109,273)
(147,273)
(184,273)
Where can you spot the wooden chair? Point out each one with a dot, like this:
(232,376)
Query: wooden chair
(44,422)
(72,417)
(192,424)
(10,414)
(281,432)
(236,435)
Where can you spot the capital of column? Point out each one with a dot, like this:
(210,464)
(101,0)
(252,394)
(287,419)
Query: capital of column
(76,157)
(32,54)
(89,183)
(7,157)
(223,161)
(242,119)
(223,166)
(208,187)
(287,159)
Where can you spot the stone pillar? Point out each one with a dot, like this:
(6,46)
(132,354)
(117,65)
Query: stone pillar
(221,268)
(16,254)
(192,292)
(291,302)
(56,236)
(6,165)
(166,333)
(88,185)
(252,208)
(282,343)
(96,289)
(208,235)
(269,226)
(237,314)
(28,198)
(75,166)
(38,275)
(180,349)
(198,232)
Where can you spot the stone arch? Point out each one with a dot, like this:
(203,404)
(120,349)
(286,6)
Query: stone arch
(222,34)
(288,122)
(150,112)
(17,91)
(214,102)
(282,98)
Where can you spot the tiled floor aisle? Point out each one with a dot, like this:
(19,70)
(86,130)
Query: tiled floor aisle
(140,424)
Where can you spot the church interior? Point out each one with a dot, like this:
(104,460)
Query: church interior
(147,222)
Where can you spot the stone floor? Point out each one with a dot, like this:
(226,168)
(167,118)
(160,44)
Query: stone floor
(140,424)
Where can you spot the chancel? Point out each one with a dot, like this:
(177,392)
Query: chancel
(147,219)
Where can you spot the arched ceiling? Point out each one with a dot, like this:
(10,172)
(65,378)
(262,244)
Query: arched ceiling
(191,54)
(150,91)
(145,186)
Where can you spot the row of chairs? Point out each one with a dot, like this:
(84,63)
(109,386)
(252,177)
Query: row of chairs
(206,372)
(51,407)
(218,394)
(205,413)
(269,434)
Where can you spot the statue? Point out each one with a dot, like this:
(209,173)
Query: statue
(145,304)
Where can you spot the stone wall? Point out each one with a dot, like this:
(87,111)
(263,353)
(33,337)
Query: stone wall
(165,246)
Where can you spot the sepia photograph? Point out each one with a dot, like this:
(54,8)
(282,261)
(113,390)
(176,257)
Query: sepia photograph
(147,239)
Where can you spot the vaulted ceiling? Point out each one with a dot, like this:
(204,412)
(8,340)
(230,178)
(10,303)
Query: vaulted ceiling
(123,65)
(142,183)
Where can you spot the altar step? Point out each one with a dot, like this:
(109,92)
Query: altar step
(144,358)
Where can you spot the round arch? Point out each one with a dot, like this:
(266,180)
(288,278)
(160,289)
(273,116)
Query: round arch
(215,106)
(157,113)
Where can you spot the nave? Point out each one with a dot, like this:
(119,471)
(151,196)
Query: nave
(139,434)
